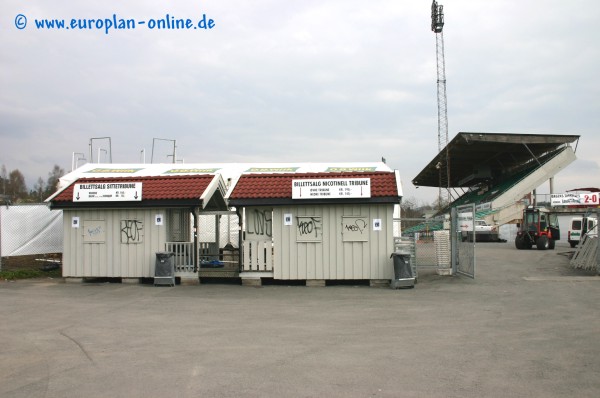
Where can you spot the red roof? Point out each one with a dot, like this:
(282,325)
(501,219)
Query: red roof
(153,188)
(279,186)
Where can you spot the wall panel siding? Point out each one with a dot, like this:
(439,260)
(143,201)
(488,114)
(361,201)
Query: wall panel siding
(332,258)
(112,258)
(279,233)
(328,248)
(349,257)
(336,214)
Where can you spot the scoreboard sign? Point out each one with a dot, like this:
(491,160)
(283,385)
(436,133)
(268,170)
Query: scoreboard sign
(575,199)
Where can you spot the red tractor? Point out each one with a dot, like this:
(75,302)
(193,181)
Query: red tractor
(539,228)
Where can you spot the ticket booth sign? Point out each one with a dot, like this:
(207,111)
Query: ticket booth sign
(337,188)
(108,192)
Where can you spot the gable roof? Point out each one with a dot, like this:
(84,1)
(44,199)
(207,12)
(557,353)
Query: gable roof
(190,190)
(274,189)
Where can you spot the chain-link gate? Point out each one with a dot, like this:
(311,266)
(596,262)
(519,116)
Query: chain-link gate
(428,251)
(463,247)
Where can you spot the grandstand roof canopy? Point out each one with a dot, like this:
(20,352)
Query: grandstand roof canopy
(477,157)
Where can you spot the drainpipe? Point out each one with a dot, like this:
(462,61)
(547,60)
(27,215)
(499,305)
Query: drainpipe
(240,238)
(196,254)
(218,234)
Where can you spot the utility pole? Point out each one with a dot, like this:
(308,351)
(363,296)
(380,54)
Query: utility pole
(443,166)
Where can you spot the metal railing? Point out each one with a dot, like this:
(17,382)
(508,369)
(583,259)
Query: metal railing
(184,255)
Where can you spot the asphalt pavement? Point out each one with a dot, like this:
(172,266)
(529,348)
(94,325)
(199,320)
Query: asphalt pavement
(527,325)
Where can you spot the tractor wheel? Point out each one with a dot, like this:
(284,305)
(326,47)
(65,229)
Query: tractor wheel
(519,243)
(551,244)
(542,243)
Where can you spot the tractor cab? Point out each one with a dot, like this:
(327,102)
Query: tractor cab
(539,227)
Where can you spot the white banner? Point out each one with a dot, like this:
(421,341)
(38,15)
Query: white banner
(337,188)
(569,199)
(30,229)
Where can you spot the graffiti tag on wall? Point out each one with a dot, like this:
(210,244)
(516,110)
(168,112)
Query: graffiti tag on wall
(94,231)
(355,229)
(132,231)
(309,229)
(259,224)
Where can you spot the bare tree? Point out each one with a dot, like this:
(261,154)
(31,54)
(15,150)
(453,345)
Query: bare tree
(53,177)
(38,190)
(4,176)
(16,185)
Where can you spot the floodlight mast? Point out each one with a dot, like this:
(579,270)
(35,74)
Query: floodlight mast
(437,26)
(77,156)
(109,148)
(174,155)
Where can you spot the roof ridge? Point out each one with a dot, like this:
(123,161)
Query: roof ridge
(145,177)
(317,173)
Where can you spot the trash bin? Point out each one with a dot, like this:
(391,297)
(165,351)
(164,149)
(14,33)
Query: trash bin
(164,269)
(403,273)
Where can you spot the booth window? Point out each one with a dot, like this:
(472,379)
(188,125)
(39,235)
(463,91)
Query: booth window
(94,231)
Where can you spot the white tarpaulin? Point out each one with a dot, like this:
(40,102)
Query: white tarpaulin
(30,229)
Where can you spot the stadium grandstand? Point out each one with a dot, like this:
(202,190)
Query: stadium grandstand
(497,172)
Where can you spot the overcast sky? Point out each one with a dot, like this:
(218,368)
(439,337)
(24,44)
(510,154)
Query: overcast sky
(295,81)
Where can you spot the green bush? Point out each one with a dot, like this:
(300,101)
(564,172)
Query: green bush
(29,274)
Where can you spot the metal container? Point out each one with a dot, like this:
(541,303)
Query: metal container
(403,272)
(164,269)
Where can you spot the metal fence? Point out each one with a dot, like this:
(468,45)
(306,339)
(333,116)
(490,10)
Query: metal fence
(434,245)
(228,229)
(587,252)
(421,232)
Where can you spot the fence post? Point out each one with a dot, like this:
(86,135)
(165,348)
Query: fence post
(0,238)
(598,242)
(453,237)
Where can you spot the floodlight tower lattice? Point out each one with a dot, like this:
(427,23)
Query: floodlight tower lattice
(443,166)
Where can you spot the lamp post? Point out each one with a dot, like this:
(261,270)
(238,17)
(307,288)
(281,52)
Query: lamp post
(77,156)
(100,150)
